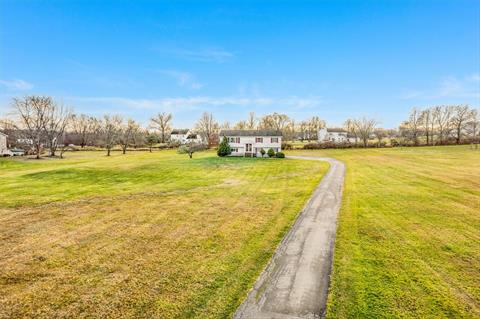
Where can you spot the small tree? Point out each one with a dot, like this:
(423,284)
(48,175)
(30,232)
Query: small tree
(271,153)
(224,148)
(151,139)
(262,151)
(191,148)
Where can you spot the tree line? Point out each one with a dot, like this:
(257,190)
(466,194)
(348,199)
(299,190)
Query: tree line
(41,123)
(439,125)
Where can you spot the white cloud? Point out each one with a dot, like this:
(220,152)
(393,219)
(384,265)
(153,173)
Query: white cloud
(16,84)
(448,87)
(204,55)
(184,79)
(199,102)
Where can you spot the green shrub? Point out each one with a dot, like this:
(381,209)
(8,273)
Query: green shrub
(280,155)
(224,148)
(262,151)
(271,153)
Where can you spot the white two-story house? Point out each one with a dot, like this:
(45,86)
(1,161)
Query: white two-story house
(250,142)
(334,135)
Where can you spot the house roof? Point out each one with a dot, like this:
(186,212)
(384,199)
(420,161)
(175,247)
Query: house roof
(250,133)
(192,136)
(180,131)
(336,130)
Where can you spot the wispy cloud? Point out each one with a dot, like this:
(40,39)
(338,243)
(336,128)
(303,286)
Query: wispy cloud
(16,84)
(200,102)
(218,55)
(184,79)
(448,87)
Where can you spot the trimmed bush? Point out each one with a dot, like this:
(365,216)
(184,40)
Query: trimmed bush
(280,155)
(271,153)
(262,151)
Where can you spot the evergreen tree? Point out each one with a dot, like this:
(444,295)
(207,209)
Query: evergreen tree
(224,148)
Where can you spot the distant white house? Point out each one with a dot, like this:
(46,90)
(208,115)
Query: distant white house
(4,151)
(334,135)
(179,135)
(250,142)
(184,136)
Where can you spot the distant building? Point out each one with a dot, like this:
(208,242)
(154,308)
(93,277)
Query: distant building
(184,136)
(3,145)
(250,142)
(179,135)
(334,135)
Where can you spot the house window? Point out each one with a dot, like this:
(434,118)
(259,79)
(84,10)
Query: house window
(258,139)
(274,139)
(238,139)
(234,150)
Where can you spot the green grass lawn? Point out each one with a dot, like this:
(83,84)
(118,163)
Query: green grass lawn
(142,235)
(408,240)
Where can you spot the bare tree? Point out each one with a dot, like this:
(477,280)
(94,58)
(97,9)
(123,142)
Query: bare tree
(58,117)
(208,128)
(443,119)
(111,131)
(32,112)
(251,123)
(473,126)
(84,127)
(380,133)
(350,127)
(462,114)
(426,124)
(314,125)
(242,125)
(126,134)
(412,128)
(364,128)
(162,123)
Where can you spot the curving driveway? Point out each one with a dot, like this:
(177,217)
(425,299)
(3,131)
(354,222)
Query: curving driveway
(295,282)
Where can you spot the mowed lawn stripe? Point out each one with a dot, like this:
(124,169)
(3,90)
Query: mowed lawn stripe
(408,240)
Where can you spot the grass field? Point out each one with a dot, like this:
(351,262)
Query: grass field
(408,241)
(141,235)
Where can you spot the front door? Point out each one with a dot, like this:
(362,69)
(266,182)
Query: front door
(248,149)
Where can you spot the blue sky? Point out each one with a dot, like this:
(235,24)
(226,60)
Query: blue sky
(333,59)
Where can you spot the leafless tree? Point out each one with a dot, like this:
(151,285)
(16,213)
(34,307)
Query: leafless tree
(161,122)
(473,127)
(208,128)
(314,125)
(111,130)
(364,128)
(190,148)
(251,123)
(241,125)
(32,112)
(461,115)
(443,121)
(380,133)
(127,131)
(426,124)
(85,127)
(412,128)
(350,127)
(58,117)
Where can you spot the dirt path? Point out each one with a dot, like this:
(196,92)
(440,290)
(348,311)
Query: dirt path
(295,282)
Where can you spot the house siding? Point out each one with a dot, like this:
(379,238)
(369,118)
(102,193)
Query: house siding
(240,143)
